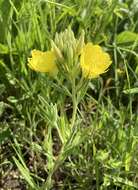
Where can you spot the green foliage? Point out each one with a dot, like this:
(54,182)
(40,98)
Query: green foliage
(126,37)
(36,137)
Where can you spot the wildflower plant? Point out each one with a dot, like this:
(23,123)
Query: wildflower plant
(72,64)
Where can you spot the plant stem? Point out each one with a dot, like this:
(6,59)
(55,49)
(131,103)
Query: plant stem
(61,157)
(74,101)
(48,184)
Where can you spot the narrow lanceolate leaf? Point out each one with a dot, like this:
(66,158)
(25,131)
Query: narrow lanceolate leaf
(26,174)
(127,37)
(131,91)
(124,181)
(5,11)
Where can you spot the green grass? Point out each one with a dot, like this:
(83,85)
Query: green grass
(35,110)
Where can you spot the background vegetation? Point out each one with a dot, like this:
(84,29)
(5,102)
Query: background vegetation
(108,157)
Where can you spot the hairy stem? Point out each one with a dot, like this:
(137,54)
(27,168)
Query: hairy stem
(61,157)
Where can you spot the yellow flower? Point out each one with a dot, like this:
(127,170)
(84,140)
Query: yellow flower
(43,62)
(94,61)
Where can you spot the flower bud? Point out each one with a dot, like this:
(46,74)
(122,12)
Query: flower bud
(80,43)
(60,44)
(56,50)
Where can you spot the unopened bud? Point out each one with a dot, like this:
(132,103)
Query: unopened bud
(60,44)
(56,38)
(56,50)
(80,43)
(70,55)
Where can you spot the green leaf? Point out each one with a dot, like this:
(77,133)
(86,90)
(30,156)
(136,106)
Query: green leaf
(23,167)
(12,99)
(25,173)
(3,49)
(131,91)
(5,10)
(127,37)
(120,180)
(4,135)
(2,108)
(2,88)
(102,155)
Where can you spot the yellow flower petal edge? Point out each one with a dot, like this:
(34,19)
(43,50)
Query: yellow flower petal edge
(94,61)
(43,62)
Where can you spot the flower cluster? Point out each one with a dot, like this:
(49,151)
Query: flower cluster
(93,61)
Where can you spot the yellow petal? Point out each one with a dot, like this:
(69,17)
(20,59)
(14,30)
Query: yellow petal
(94,61)
(43,61)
